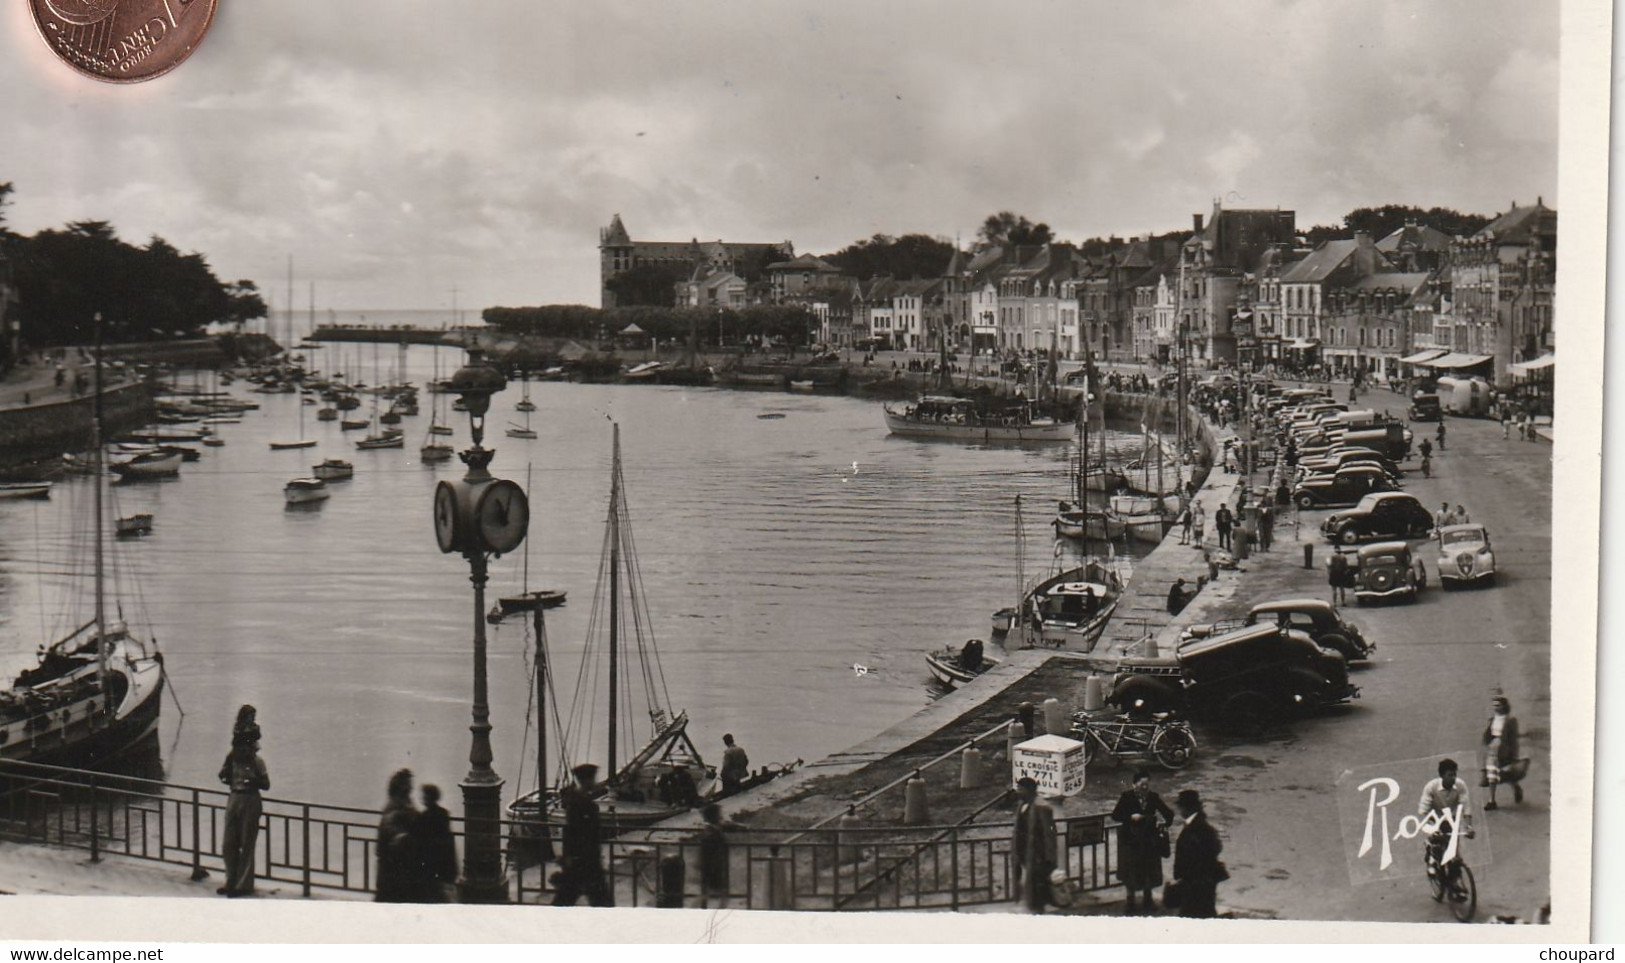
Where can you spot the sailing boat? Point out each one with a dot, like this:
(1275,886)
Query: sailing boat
(95,692)
(525,404)
(666,775)
(431,450)
(526,600)
(303,442)
(525,431)
(379,437)
(1076,519)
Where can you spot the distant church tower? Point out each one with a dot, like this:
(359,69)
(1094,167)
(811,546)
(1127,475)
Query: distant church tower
(614,257)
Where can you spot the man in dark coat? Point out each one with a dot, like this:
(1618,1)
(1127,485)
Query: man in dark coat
(1222,520)
(1139,841)
(1178,596)
(1033,845)
(398,878)
(1197,870)
(581,862)
(735,765)
(437,848)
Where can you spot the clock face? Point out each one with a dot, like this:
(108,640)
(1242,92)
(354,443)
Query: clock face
(446,524)
(503,516)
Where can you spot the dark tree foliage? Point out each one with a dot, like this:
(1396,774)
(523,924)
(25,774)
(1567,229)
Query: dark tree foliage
(1008,228)
(6,190)
(65,277)
(907,257)
(648,284)
(1382,221)
(591,326)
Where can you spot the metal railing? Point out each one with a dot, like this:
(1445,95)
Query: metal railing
(332,849)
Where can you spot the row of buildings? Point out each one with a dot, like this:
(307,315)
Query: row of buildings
(1241,287)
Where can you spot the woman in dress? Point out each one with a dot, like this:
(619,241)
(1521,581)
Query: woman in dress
(398,874)
(1501,750)
(244,771)
(1141,841)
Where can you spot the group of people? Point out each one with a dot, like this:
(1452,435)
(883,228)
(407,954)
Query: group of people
(1451,516)
(1144,841)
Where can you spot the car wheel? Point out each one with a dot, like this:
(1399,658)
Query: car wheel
(1306,502)
(1348,536)
(1341,644)
(1246,713)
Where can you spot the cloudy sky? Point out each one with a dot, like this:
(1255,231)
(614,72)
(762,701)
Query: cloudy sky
(399,147)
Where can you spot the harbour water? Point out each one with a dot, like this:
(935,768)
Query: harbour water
(780,557)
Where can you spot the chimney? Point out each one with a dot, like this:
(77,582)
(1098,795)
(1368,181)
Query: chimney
(1196,223)
(1365,255)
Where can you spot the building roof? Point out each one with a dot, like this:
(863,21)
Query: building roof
(1419,236)
(956,265)
(1408,281)
(1521,225)
(1320,263)
(615,234)
(805,262)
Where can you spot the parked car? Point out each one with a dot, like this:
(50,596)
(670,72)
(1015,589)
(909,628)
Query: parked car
(1387,570)
(1346,487)
(1245,678)
(1379,515)
(1320,468)
(1392,441)
(1335,458)
(1425,407)
(1313,617)
(1465,556)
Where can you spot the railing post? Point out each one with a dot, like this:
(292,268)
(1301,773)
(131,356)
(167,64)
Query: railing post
(953,865)
(304,820)
(198,872)
(95,823)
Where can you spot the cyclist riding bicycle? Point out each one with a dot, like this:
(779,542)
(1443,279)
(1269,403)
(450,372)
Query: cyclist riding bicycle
(1445,800)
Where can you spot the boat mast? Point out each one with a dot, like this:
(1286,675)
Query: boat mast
(541,704)
(1021,570)
(289,349)
(96,445)
(614,594)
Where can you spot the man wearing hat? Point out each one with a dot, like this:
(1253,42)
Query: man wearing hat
(581,863)
(1197,869)
(1033,845)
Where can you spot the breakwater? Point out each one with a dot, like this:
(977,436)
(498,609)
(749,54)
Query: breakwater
(38,434)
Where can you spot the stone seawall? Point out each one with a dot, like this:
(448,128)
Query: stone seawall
(40,434)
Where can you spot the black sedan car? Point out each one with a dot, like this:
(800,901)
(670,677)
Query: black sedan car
(1346,487)
(1382,515)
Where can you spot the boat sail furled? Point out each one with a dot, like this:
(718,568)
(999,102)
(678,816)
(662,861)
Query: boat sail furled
(95,692)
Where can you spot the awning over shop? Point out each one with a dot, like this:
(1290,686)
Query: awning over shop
(1529,367)
(1422,356)
(1299,344)
(1455,361)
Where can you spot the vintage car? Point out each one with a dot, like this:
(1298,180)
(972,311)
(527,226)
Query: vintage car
(1379,515)
(1315,618)
(1346,487)
(1246,678)
(1387,570)
(1425,407)
(1465,556)
(1321,468)
(1338,457)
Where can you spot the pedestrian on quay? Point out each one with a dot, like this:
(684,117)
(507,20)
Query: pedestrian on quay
(1198,522)
(735,765)
(1501,762)
(1033,843)
(399,880)
(1426,448)
(1506,422)
(244,771)
(1222,520)
(1212,565)
(1266,527)
(1439,433)
(581,865)
(1142,842)
(1185,526)
(437,848)
(1198,871)
(1178,596)
(714,855)
(1338,575)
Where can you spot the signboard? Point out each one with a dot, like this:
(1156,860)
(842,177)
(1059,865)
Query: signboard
(1056,762)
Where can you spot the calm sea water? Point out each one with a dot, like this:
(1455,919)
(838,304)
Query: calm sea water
(777,556)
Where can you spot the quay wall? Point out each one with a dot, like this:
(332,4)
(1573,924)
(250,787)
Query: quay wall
(39,434)
(402,334)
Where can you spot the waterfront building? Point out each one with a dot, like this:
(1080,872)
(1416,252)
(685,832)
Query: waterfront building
(1416,247)
(1368,322)
(1502,281)
(618,254)
(1213,264)
(877,304)
(799,276)
(711,287)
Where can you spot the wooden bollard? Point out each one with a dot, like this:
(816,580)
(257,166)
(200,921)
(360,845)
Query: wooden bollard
(1055,716)
(970,768)
(1151,650)
(915,812)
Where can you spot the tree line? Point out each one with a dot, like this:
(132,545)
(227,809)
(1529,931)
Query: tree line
(150,292)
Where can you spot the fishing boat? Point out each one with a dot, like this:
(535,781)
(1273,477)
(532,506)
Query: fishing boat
(1076,519)
(333,469)
(149,464)
(530,601)
(1096,523)
(353,424)
(1070,609)
(525,404)
(521,431)
(97,691)
(25,489)
(666,775)
(953,418)
(440,430)
(328,413)
(431,450)
(129,525)
(214,442)
(305,491)
(382,440)
(955,666)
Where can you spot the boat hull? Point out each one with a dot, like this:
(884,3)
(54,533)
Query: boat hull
(25,490)
(1041,431)
(82,741)
(946,670)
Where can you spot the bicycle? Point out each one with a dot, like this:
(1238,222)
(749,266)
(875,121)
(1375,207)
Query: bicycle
(1166,739)
(1453,879)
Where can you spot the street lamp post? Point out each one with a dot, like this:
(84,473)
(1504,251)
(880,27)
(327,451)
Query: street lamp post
(480,517)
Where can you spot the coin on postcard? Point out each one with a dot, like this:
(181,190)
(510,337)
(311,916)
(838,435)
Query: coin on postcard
(123,41)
